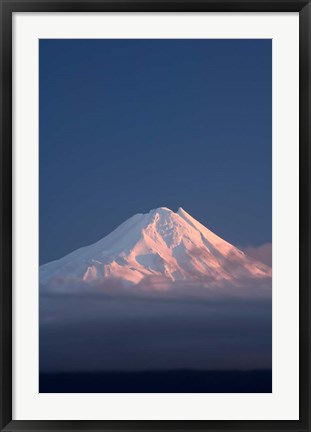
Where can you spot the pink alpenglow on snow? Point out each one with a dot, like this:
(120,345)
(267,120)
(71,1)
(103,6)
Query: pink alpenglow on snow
(162,246)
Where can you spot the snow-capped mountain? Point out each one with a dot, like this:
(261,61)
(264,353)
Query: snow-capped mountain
(160,244)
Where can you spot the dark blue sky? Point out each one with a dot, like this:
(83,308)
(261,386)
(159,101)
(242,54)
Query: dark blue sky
(131,125)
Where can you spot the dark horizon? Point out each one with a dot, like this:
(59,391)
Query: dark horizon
(171,381)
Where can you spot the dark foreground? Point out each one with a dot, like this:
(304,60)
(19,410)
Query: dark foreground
(181,381)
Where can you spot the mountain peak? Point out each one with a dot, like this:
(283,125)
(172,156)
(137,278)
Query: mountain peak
(161,210)
(181,211)
(159,244)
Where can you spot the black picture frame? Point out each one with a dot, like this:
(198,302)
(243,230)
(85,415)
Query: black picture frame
(9,7)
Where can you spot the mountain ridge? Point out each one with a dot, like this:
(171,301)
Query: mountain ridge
(162,245)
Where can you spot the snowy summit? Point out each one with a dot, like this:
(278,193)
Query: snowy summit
(162,244)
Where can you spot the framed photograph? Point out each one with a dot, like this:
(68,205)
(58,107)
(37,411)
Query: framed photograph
(155,215)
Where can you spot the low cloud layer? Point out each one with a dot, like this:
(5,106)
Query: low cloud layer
(262,253)
(111,327)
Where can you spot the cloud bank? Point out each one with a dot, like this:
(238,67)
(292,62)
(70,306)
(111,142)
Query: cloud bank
(112,327)
(262,253)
